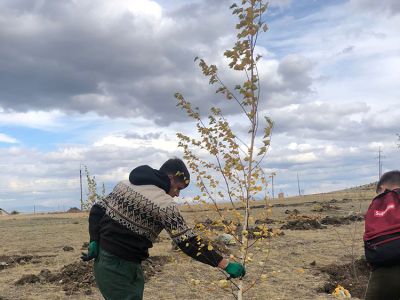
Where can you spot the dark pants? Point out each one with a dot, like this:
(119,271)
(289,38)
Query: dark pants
(118,279)
(384,284)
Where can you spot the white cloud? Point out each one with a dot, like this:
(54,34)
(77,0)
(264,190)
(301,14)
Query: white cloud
(135,143)
(374,7)
(4,138)
(280,3)
(32,119)
(148,10)
(300,147)
(302,158)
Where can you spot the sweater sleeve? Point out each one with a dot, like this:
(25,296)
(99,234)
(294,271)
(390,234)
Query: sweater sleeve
(191,244)
(96,214)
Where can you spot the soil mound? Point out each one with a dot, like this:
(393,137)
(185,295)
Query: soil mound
(14,260)
(265,221)
(256,232)
(353,278)
(29,278)
(303,223)
(78,277)
(73,210)
(325,207)
(68,248)
(292,212)
(337,221)
(73,278)
(153,265)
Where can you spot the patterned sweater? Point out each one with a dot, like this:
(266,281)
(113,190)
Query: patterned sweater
(130,218)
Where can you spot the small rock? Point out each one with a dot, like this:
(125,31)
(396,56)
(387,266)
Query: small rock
(313,263)
(68,248)
(227,239)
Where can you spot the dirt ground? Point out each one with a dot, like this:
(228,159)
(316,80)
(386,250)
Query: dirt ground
(39,255)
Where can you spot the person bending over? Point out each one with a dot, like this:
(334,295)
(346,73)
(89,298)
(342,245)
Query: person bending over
(125,224)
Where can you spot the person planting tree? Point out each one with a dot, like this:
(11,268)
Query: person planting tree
(124,225)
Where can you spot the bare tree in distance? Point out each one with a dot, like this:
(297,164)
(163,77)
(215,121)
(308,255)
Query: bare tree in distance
(92,194)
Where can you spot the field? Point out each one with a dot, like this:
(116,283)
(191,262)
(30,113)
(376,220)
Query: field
(296,264)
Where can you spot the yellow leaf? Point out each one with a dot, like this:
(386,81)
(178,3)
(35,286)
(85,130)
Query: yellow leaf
(210,247)
(300,270)
(195,281)
(263,276)
(341,292)
(223,283)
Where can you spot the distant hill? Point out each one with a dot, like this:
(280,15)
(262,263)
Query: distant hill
(364,187)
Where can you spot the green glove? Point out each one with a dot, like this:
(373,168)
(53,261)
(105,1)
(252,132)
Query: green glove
(93,251)
(235,270)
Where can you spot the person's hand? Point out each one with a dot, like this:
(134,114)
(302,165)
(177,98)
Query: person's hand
(235,270)
(93,251)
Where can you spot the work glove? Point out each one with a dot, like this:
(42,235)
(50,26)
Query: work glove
(93,251)
(235,270)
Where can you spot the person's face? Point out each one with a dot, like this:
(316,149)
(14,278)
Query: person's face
(176,186)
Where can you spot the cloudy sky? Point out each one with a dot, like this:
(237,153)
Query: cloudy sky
(92,82)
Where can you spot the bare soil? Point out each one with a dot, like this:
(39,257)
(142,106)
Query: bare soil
(14,260)
(78,277)
(353,275)
(303,223)
(300,264)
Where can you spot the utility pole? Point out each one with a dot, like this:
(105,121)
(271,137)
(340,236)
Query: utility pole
(298,183)
(80,179)
(380,163)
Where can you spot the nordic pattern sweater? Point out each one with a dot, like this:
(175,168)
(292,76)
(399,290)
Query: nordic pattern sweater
(129,219)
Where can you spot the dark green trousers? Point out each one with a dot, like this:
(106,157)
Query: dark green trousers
(384,284)
(118,279)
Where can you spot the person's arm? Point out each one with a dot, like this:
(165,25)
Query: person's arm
(194,245)
(96,214)
(191,244)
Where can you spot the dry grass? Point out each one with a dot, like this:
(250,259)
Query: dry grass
(287,258)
